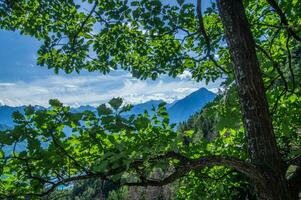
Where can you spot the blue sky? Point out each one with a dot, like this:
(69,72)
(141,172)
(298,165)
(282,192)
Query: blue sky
(22,82)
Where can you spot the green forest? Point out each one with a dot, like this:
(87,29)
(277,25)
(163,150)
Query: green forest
(244,145)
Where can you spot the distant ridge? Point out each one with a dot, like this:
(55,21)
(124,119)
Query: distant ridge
(6,114)
(189,105)
(4,127)
(179,111)
(139,108)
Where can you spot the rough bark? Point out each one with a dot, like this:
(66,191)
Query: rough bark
(294,183)
(246,168)
(257,120)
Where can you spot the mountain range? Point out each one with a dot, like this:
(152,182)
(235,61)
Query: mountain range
(179,111)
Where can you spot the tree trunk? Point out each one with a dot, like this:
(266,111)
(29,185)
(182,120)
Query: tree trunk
(261,141)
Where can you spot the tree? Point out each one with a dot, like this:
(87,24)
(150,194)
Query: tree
(149,38)
(257,121)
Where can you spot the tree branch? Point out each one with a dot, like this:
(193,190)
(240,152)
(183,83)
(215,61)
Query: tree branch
(65,152)
(294,183)
(85,21)
(289,57)
(283,19)
(275,65)
(186,166)
(295,161)
(248,169)
(206,37)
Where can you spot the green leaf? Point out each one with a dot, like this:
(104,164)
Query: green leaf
(104,110)
(141,122)
(55,103)
(115,103)
(126,108)
(180,2)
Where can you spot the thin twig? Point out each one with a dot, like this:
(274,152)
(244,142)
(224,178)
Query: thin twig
(275,65)
(283,19)
(206,37)
(289,56)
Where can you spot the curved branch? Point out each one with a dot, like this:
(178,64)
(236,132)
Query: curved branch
(76,163)
(248,169)
(283,19)
(295,161)
(294,183)
(86,20)
(187,165)
(202,27)
(289,57)
(275,105)
(206,37)
(275,65)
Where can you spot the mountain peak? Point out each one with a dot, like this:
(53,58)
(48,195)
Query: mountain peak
(202,90)
(189,105)
(179,110)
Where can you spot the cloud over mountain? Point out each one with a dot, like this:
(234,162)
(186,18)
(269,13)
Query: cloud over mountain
(94,89)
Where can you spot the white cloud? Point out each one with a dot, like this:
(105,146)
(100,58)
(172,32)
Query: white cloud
(95,89)
(215,90)
(6,84)
(185,75)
